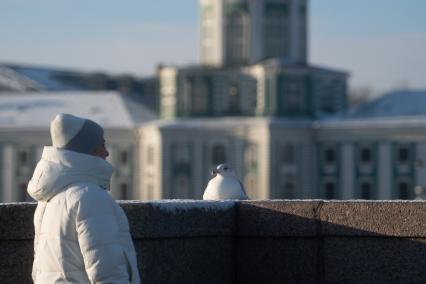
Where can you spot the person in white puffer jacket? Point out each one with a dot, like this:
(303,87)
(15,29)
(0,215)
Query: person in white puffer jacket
(81,234)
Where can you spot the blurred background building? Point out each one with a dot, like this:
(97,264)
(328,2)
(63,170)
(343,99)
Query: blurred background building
(254,101)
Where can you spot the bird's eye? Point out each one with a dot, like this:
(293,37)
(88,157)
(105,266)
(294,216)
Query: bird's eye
(225,168)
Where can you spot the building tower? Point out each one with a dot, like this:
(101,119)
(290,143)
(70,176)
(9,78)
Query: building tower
(237,32)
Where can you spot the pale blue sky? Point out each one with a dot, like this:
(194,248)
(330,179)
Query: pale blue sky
(381,43)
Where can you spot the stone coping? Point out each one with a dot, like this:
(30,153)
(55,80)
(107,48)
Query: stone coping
(249,219)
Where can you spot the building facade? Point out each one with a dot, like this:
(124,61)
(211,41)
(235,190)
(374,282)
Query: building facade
(240,32)
(24,131)
(273,88)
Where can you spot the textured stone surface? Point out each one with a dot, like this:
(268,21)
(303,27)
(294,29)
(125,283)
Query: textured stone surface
(277,218)
(254,241)
(194,260)
(374,260)
(16,221)
(277,260)
(400,219)
(179,219)
(16,259)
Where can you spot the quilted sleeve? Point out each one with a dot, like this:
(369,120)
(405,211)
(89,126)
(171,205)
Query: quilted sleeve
(99,237)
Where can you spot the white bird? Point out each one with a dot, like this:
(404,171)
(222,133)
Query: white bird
(224,185)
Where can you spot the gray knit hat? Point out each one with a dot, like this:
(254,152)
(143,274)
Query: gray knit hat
(76,134)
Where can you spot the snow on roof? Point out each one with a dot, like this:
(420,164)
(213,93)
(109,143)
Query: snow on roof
(12,81)
(37,109)
(398,108)
(51,79)
(393,104)
(224,122)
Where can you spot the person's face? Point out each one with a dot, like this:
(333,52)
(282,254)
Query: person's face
(100,151)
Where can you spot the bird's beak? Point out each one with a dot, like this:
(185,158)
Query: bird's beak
(214,173)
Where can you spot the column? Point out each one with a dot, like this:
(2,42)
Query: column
(384,174)
(348,169)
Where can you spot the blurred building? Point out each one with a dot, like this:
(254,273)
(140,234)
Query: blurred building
(22,78)
(24,131)
(235,32)
(377,151)
(254,101)
(250,102)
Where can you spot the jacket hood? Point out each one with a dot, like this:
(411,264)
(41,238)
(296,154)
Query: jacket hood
(59,168)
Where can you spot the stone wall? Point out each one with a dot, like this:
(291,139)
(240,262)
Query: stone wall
(254,241)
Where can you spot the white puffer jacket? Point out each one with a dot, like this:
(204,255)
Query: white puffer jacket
(81,233)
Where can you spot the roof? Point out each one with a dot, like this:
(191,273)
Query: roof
(397,108)
(49,78)
(37,109)
(393,104)
(281,63)
(10,80)
(223,122)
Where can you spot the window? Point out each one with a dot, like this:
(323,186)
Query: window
(329,190)
(294,94)
(403,191)
(366,190)
(237,37)
(181,152)
(219,154)
(276,31)
(23,158)
(330,156)
(366,155)
(123,157)
(403,155)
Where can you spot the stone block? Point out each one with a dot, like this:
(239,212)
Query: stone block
(170,219)
(277,218)
(16,221)
(16,260)
(276,260)
(374,260)
(187,260)
(373,218)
